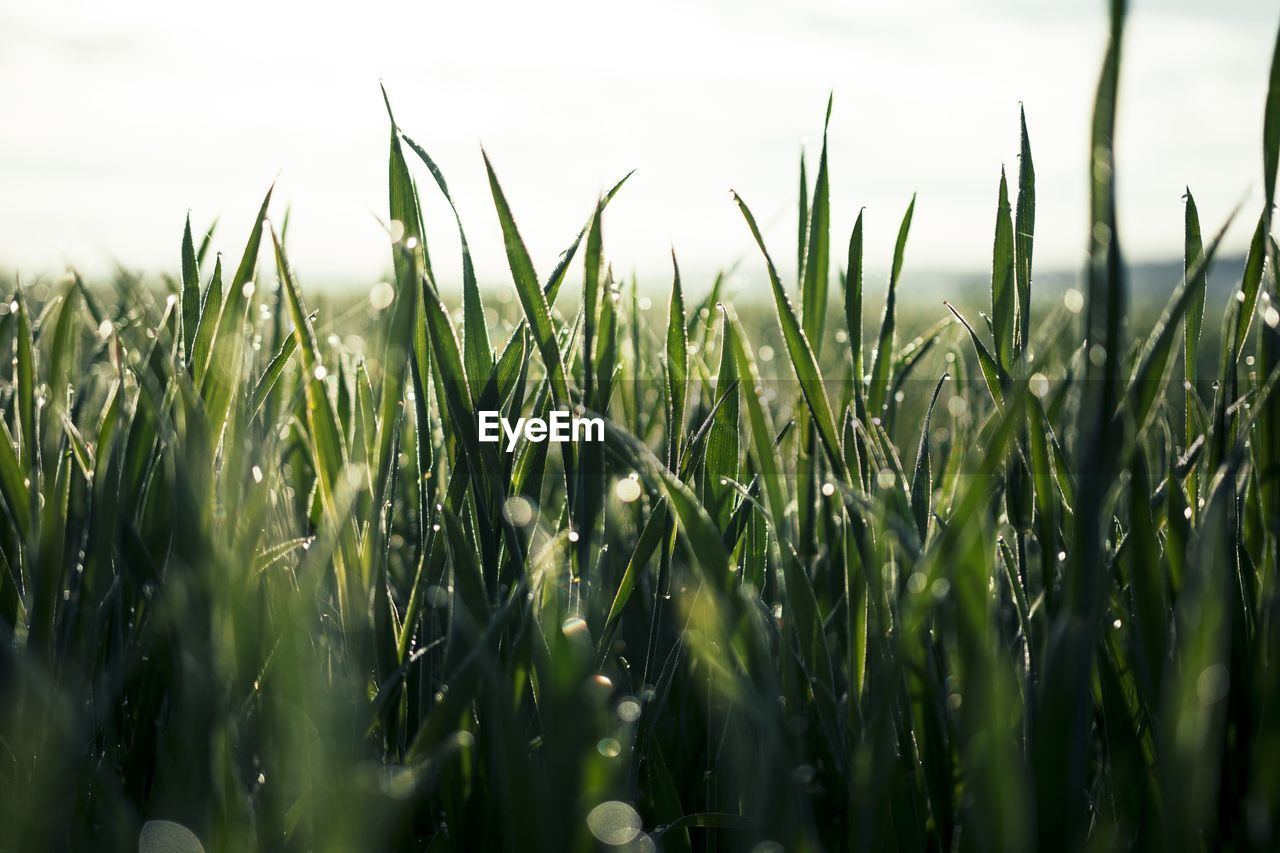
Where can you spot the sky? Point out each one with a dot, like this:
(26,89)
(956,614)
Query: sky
(118,119)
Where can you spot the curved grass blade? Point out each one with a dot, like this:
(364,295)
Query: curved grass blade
(997,380)
(882,365)
(813,284)
(211,308)
(853,303)
(275,368)
(803,361)
(477,351)
(190,290)
(1024,232)
(327,446)
(1003,285)
(677,364)
(1196,278)
(922,477)
(1152,370)
(532,298)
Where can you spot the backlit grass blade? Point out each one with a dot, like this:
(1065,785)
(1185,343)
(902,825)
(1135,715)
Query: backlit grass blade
(882,364)
(25,392)
(705,545)
(1151,372)
(1058,755)
(480,459)
(222,374)
(328,448)
(275,368)
(997,380)
(556,279)
(721,464)
(206,242)
(646,545)
(1247,295)
(760,421)
(1271,134)
(63,354)
(1193,738)
(210,309)
(532,298)
(607,361)
(397,349)
(803,361)
(1024,228)
(813,286)
(190,290)
(1148,589)
(1196,278)
(922,478)
(1003,285)
(802,220)
(853,302)
(402,198)
(677,364)
(13,482)
(476,346)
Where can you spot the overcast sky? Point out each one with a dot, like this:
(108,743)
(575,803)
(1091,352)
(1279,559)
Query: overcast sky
(117,118)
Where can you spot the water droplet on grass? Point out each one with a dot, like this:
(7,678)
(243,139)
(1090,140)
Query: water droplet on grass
(614,822)
(518,510)
(627,490)
(381,295)
(574,626)
(165,836)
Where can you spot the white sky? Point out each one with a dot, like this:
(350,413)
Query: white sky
(117,118)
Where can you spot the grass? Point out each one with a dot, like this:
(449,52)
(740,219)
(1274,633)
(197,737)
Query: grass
(1004,586)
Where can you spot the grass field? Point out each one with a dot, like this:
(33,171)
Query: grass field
(1006,582)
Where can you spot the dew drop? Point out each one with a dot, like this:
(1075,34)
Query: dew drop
(614,823)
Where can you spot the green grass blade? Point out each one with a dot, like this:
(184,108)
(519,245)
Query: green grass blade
(1003,285)
(190,290)
(328,448)
(922,477)
(556,279)
(882,365)
(1195,278)
(1058,754)
(997,380)
(1247,295)
(1152,371)
(211,308)
(532,298)
(803,360)
(13,482)
(1024,232)
(476,347)
(275,369)
(802,220)
(813,286)
(223,371)
(677,364)
(853,301)
(24,374)
(1271,134)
